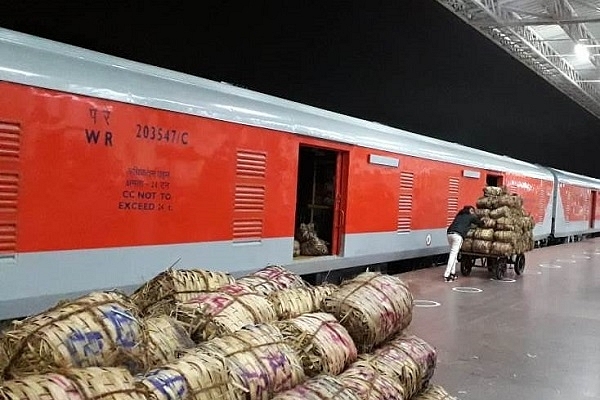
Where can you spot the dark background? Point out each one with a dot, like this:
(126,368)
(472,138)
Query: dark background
(410,64)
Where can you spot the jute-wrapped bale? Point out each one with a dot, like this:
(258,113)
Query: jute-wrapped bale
(322,343)
(260,363)
(394,362)
(420,351)
(511,201)
(502,248)
(481,246)
(213,314)
(100,329)
(194,375)
(492,191)
(166,337)
(500,212)
(372,307)
(433,392)
(487,202)
(368,383)
(105,383)
(290,303)
(467,245)
(40,387)
(483,234)
(320,387)
(161,293)
(270,279)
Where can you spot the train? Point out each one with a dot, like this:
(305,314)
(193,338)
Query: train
(112,171)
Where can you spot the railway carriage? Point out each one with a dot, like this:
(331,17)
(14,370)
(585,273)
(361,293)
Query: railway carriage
(112,171)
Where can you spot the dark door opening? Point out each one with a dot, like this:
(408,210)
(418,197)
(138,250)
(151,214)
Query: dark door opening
(593,210)
(493,180)
(318,204)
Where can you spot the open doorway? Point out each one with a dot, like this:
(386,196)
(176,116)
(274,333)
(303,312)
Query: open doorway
(493,180)
(319,202)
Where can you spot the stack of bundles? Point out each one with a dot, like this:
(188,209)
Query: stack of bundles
(259,362)
(194,375)
(74,384)
(415,375)
(166,338)
(507,228)
(433,392)
(321,342)
(368,383)
(99,329)
(372,307)
(160,294)
(213,314)
(321,387)
(290,303)
(310,243)
(270,279)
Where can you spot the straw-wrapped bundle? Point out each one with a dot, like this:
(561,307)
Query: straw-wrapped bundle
(420,351)
(290,303)
(105,383)
(467,245)
(100,329)
(502,248)
(40,387)
(213,314)
(481,246)
(433,392)
(368,383)
(487,202)
(161,293)
(166,337)
(483,212)
(194,375)
(320,387)
(322,343)
(394,362)
(491,191)
(259,361)
(505,236)
(500,212)
(483,234)
(487,222)
(372,307)
(270,279)
(511,201)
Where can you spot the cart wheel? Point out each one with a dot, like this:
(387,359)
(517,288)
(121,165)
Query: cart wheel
(519,264)
(500,268)
(466,265)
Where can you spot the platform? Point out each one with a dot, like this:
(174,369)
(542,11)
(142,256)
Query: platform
(535,336)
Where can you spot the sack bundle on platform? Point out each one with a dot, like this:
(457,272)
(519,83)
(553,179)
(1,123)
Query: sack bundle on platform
(372,307)
(100,329)
(74,384)
(213,314)
(260,363)
(369,383)
(160,294)
(320,387)
(271,279)
(166,338)
(506,227)
(433,392)
(321,342)
(194,375)
(290,303)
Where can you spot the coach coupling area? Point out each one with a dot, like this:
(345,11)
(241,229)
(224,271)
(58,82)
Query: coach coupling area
(535,336)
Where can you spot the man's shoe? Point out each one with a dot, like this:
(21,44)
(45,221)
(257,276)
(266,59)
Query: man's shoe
(453,277)
(448,278)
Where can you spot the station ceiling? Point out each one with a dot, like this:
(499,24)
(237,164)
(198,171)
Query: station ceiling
(558,39)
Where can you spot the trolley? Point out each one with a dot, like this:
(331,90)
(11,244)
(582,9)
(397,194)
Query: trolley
(495,263)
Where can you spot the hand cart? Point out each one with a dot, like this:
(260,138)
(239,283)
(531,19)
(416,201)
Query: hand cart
(495,263)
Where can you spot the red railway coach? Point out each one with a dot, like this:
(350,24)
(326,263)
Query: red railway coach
(576,205)
(112,171)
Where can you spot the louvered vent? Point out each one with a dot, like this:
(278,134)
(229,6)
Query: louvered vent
(250,192)
(251,164)
(405,202)
(10,146)
(453,188)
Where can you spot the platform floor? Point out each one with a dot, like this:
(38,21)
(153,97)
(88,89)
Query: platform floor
(536,337)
